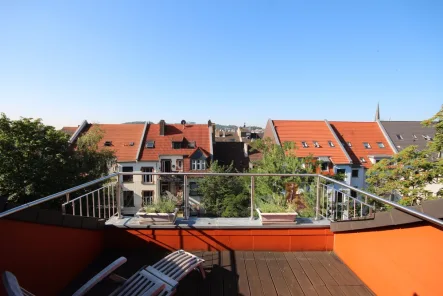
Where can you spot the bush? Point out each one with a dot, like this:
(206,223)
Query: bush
(164,205)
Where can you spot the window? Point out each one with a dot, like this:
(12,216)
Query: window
(353,193)
(108,143)
(148,178)
(128,178)
(176,145)
(128,199)
(198,164)
(362,159)
(341,172)
(428,138)
(366,145)
(325,166)
(380,145)
(166,165)
(193,189)
(355,173)
(148,197)
(331,144)
(131,143)
(150,144)
(304,144)
(191,144)
(414,136)
(316,145)
(179,164)
(399,137)
(377,160)
(349,144)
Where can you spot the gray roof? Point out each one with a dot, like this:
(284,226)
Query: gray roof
(406,131)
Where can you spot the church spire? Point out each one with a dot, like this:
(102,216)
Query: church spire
(377,113)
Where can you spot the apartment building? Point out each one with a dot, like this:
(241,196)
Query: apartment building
(158,147)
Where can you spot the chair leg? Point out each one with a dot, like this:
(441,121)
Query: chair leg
(202,271)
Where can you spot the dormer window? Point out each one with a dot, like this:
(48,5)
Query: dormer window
(108,143)
(362,159)
(331,144)
(399,137)
(191,144)
(176,145)
(366,145)
(316,144)
(380,145)
(150,144)
(304,144)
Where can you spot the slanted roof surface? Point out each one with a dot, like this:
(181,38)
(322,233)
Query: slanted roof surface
(357,133)
(310,131)
(407,129)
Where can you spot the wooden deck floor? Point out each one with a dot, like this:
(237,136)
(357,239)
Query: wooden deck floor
(273,273)
(243,273)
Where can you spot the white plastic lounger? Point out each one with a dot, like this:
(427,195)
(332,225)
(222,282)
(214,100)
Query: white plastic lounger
(12,286)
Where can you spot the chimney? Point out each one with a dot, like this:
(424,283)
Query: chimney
(162,127)
(224,134)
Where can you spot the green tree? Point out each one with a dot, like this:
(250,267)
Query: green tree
(436,121)
(224,196)
(36,160)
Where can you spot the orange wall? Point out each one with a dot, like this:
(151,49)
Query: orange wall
(46,258)
(395,262)
(320,239)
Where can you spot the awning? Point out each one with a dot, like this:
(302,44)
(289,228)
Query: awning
(324,158)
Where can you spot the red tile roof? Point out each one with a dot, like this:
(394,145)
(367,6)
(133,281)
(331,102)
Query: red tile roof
(309,131)
(70,130)
(121,136)
(198,133)
(358,132)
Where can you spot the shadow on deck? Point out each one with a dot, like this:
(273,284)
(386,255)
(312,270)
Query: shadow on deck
(242,273)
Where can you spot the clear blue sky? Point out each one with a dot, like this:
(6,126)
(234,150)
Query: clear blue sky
(228,61)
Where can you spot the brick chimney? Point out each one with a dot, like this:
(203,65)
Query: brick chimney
(162,127)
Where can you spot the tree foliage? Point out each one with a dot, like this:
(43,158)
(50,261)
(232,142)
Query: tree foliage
(36,160)
(436,121)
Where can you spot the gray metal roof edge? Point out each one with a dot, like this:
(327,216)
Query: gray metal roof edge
(140,146)
(274,131)
(338,141)
(385,133)
(77,132)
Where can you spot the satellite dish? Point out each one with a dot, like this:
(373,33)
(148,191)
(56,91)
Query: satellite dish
(183,122)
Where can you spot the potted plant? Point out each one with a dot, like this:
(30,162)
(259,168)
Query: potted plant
(276,209)
(163,211)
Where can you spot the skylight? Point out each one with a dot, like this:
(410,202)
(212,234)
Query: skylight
(191,144)
(304,144)
(316,144)
(331,144)
(150,144)
(108,143)
(362,159)
(367,145)
(380,145)
(414,136)
(399,137)
(131,143)
(349,144)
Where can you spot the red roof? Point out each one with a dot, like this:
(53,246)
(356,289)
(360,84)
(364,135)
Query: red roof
(357,133)
(198,133)
(70,130)
(308,131)
(121,136)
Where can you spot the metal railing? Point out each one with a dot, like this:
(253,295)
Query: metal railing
(334,199)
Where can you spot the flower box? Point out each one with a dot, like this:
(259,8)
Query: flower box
(156,218)
(277,218)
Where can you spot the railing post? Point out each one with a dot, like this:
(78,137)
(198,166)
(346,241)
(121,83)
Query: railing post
(119,207)
(185,198)
(252,196)
(317,206)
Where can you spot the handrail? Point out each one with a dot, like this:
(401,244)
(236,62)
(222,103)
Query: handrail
(391,203)
(83,195)
(55,195)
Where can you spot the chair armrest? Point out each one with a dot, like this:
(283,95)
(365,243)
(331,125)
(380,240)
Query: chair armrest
(100,276)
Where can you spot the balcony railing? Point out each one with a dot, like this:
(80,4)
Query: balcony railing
(334,200)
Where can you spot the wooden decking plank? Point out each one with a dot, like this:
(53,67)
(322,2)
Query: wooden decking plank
(263,272)
(229,274)
(350,276)
(216,279)
(362,291)
(300,275)
(323,291)
(309,270)
(276,275)
(254,282)
(333,271)
(348,290)
(288,275)
(243,285)
(320,269)
(335,290)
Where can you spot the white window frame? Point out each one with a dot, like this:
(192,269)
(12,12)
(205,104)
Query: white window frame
(381,145)
(331,144)
(366,145)
(304,144)
(198,164)
(147,178)
(362,159)
(349,144)
(316,144)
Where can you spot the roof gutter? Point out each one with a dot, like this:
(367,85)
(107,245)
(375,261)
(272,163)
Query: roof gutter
(382,128)
(338,141)
(274,131)
(140,147)
(211,143)
(77,132)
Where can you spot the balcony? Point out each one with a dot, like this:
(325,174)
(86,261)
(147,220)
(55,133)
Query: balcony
(346,247)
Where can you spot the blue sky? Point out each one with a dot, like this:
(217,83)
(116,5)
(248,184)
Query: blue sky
(228,61)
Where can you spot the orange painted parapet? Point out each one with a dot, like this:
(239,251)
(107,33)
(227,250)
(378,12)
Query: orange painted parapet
(46,258)
(402,261)
(312,239)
